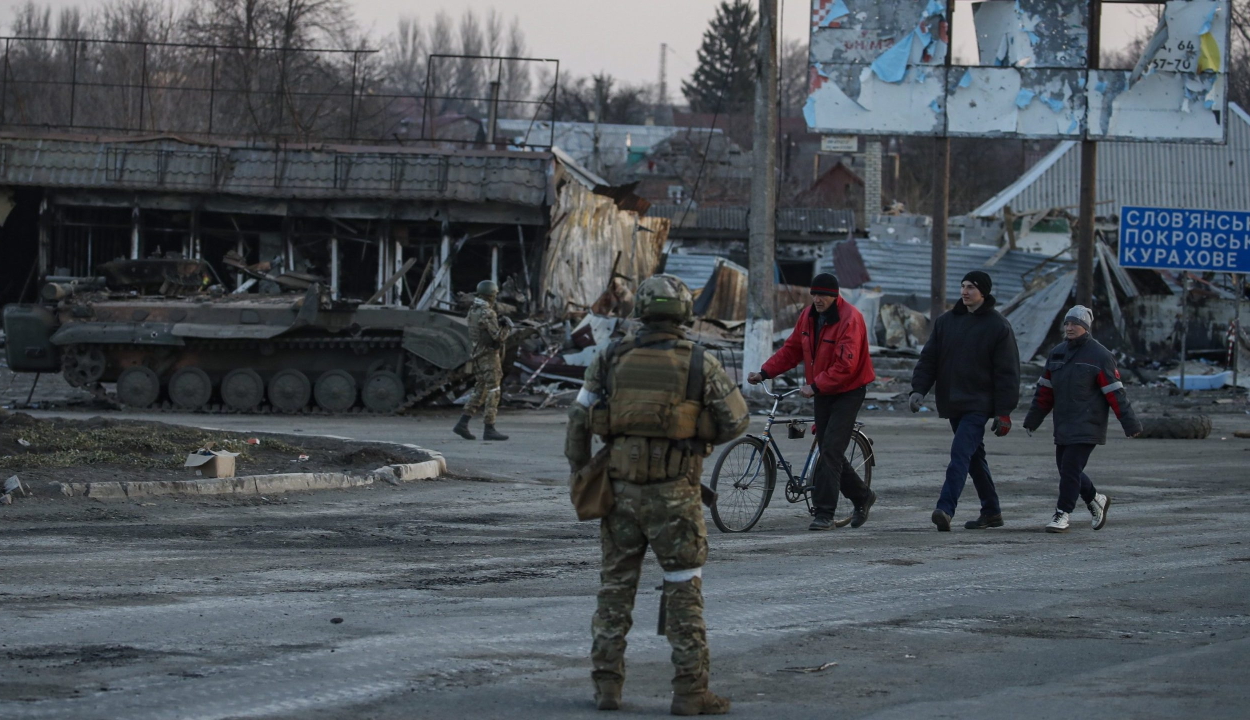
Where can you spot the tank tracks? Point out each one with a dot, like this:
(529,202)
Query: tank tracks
(430,386)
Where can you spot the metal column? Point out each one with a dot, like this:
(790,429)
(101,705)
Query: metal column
(135,244)
(334,267)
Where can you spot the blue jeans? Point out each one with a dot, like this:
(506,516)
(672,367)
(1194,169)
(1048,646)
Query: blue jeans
(968,458)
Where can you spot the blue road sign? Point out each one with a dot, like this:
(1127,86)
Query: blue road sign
(1197,240)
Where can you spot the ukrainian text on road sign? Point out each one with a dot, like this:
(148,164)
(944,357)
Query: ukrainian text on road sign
(1175,239)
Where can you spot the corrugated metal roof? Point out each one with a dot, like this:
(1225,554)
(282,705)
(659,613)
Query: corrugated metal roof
(577,139)
(811,221)
(168,165)
(1211,177)
(901,270)
(694,270)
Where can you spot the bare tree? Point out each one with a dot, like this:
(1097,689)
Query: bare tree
(468,71)
(404,57)
(792,88)
(516,74)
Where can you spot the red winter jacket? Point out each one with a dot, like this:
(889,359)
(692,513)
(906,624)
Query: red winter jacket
(838,362)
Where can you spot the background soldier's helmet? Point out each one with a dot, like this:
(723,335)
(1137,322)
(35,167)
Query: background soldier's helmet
(487,288)
(664,297)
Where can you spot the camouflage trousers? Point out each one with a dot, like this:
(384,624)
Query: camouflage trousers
(669,518)
(488,376)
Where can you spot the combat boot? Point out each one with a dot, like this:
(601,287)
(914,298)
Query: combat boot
(704,703)
(493,434)
(608,694)
(462,428)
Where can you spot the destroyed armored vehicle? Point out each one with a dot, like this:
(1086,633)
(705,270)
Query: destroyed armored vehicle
(192,347)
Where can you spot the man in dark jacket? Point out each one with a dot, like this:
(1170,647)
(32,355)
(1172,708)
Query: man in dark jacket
(972,358)
(1080,383)
(831,340)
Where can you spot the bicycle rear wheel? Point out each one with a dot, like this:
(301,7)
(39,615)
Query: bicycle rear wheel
(859,457)
(743,479)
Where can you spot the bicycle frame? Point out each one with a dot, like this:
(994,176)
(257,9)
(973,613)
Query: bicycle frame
(797,485)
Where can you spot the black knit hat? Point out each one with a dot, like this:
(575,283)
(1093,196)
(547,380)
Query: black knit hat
(825,284)
(980,279)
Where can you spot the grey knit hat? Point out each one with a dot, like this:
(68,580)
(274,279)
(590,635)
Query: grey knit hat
(1080,315)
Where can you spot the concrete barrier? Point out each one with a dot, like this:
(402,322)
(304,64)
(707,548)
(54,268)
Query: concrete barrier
(255,484)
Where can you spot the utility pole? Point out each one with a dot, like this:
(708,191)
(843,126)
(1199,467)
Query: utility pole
(938,239)
(941,204)
(662,95)
(758,345)
(1085,237)
(596,164)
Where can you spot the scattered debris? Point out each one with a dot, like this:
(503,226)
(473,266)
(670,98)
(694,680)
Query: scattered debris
(815,669)
(212,463)
(11,487)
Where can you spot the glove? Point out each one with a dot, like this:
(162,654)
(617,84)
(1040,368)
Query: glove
(1002,425)
(914,400)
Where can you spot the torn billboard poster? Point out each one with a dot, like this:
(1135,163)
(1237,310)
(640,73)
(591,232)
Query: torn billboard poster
(1179,239)
(1032,33)
(1178,90)
(878,67)
(1007,101)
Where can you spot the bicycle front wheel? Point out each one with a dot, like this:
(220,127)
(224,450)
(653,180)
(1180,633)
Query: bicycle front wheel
(743,480)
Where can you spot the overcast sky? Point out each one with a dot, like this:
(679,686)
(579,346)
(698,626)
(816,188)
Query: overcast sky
(590,36)
(623,39)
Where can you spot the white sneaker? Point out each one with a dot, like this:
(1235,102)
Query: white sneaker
(1098,508)
(1059,523)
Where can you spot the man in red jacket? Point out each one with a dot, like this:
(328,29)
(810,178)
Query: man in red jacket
(831,341)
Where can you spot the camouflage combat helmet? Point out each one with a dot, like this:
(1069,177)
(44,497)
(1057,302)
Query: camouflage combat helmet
(487,288)
(664,297)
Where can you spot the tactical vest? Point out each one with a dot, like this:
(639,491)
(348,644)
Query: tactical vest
(654,416)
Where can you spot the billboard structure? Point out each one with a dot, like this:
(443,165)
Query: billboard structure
(882,67)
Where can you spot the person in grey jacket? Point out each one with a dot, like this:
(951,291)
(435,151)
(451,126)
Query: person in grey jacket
(972,360)
(1080,383)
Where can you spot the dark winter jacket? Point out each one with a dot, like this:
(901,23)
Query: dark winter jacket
(973,360)
(1080,383)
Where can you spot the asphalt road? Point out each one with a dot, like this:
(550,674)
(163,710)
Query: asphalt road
(463,598)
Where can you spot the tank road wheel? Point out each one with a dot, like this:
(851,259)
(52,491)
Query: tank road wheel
(289,390)
(82,366)
(242,389)
(138,387)
(190,388)
(383,391)
(335,390)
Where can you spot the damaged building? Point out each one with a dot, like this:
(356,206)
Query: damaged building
(1185,175)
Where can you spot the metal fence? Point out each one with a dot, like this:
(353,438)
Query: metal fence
(282,94)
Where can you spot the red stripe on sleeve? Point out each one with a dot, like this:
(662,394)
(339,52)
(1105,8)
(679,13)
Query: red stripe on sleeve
(1111,399)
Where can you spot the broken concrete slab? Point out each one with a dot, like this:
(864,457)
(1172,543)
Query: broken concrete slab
(254,484)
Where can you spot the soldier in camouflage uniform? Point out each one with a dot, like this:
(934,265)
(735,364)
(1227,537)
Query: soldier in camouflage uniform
(660,403)
(488,338)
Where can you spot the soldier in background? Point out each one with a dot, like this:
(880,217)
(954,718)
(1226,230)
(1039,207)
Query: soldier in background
(660,403)
(488,338)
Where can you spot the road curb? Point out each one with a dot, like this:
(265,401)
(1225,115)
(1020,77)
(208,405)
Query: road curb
(255,484)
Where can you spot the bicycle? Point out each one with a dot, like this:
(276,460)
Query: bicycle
(752,461)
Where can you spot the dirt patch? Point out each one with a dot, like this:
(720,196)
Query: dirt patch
(100,449)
